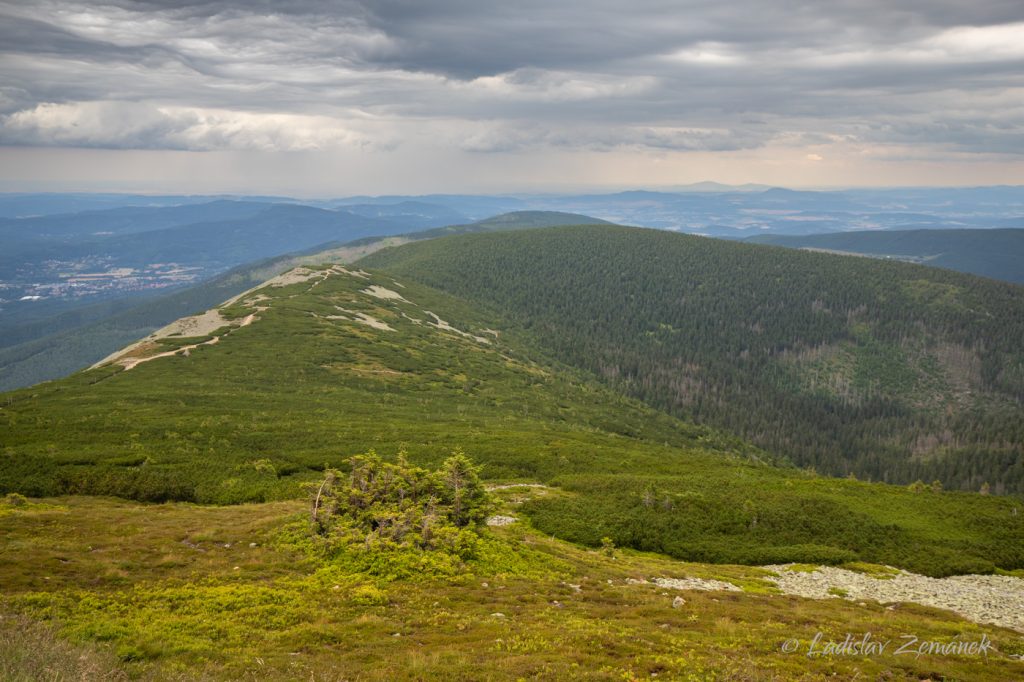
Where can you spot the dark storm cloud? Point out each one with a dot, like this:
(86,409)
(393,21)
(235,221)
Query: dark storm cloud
(499,76)
(470,38)
(467,39)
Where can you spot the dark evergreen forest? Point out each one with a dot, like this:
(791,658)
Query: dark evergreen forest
(850,366)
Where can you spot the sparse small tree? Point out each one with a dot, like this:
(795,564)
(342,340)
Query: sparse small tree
(608,546)
(751,511)
(469,499)
(400,505)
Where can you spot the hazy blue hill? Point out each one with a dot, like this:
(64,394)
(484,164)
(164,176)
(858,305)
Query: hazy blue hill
(14,205)
(276,229)
(230,234)
(778,197)
(472,206)
(708,186)
(412,215)
(125,220)
(636,195)
(887,370)
(996,253)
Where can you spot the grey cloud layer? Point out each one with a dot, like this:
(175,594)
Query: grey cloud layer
(490,76)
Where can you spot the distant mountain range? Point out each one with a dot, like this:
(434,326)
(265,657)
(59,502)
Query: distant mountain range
(997,253)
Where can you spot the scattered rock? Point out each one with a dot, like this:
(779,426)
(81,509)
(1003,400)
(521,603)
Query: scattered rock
(696,584)
(506,486)
(497,615)
(383,294)
(500,520)
(994,599)
(678,602)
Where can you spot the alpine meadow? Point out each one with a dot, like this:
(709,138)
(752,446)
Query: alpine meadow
(384,341)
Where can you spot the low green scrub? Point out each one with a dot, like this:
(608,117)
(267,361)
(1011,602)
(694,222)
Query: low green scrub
(728,517)
(173,342)
(140,478)
(278,403)
(400,522)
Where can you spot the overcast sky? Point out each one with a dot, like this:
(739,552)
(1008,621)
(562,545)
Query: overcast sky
(310,97)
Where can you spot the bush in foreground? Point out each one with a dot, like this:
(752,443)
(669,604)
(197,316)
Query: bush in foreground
(399,519)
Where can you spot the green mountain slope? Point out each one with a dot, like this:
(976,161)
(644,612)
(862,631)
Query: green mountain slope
(248,402)
(77,342)
(60,344)
(998,254)
(888,371)
(321,370)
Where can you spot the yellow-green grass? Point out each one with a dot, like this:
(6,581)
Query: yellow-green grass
(180,591)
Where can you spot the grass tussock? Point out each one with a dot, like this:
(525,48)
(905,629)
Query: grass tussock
(31,652)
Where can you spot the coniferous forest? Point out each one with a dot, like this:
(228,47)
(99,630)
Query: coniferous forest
(853,367)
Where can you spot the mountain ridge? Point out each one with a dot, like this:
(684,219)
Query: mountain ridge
(848,365)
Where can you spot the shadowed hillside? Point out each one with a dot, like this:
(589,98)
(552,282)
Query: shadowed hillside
(888,371)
